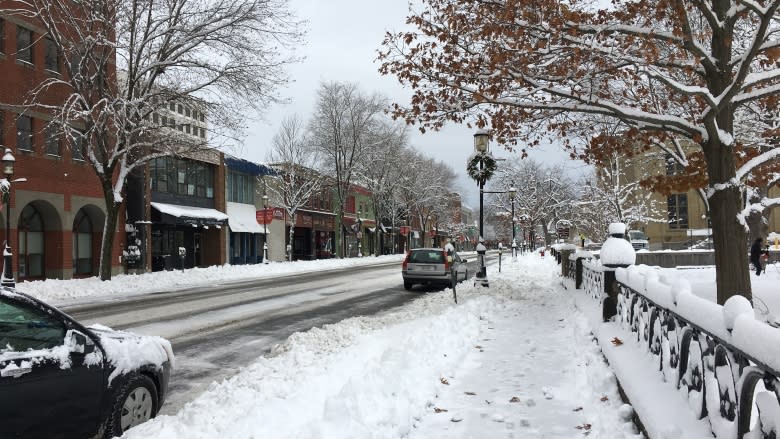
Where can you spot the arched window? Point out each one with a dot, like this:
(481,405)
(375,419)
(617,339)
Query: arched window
(82,244)
(31,243)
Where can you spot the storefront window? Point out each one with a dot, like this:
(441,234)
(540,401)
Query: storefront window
(82,244)
(31,243)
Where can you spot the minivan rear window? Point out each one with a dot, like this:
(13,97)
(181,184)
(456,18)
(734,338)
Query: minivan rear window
(427,257)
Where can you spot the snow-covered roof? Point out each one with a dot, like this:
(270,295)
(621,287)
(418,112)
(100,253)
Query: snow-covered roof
(242,218)
(189,211)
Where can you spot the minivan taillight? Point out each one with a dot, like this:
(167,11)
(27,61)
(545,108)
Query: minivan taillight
(406,261)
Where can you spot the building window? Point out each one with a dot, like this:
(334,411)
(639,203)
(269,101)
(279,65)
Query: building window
(77,151)
(53,141)
(677,207)
(673,167)
(180,109)
(24,133)
(31,243)
(52,60)
(82,244)
(2,35)
(24,45)
(155,118)
(187,128)
(187,111)
(202,132)
(241,188)
(182,177)
(172,106)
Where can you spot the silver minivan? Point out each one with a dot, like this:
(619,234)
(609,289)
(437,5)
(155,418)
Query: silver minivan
(430,266)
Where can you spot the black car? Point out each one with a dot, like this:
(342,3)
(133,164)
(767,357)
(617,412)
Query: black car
(60,379)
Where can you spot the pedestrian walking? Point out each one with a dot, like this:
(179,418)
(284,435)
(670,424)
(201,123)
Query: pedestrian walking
(755,255)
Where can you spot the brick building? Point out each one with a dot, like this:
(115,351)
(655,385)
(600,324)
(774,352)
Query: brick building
(56,216)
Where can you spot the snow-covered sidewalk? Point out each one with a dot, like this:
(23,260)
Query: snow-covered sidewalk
(515,360)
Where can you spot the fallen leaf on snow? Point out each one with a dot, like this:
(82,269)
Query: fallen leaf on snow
(604,398)
(478,346)
(577,409)
(470,393)
(438,410)
(514,399)
(584,427)
(444,381)
(489,402)
(617,342)
(456,419)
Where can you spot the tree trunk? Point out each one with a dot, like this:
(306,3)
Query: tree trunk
(290,238)
(109,230)
(339,244)
(729,236)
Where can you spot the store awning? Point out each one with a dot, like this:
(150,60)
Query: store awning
(191,214)
(242,218)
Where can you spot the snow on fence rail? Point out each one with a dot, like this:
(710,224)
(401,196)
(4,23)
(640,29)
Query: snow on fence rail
(721,358)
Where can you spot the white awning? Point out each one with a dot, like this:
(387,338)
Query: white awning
(242,218)
(180,211)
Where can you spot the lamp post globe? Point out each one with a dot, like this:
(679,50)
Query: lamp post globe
(8,169)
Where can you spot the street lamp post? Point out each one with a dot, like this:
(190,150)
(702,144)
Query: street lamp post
(512,193)
(265,228)
(481,149)
(359,234)
(8,169)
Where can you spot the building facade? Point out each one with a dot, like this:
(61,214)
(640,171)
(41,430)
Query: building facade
(57,214)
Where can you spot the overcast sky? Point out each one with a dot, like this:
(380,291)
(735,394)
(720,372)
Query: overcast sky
(342,42)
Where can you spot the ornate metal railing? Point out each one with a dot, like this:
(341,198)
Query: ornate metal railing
(737,391)
(592,278)
(572,271)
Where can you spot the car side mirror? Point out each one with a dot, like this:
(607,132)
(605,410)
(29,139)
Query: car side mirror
(465,261)
(78,343)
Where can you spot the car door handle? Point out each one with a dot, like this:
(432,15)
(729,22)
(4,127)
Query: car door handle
(15,373)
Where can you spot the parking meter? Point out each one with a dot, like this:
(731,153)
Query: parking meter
(182,255)
(500,252)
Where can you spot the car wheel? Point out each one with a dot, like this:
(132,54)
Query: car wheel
(134,403)
(407,285)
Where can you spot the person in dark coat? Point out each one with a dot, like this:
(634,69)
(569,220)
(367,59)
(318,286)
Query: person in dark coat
(755,255)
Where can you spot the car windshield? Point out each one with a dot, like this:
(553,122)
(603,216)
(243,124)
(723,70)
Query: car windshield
(427,257)
(637,235)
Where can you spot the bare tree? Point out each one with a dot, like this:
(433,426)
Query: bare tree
(379,172)
(345,124)
(295,162)
(221,57)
